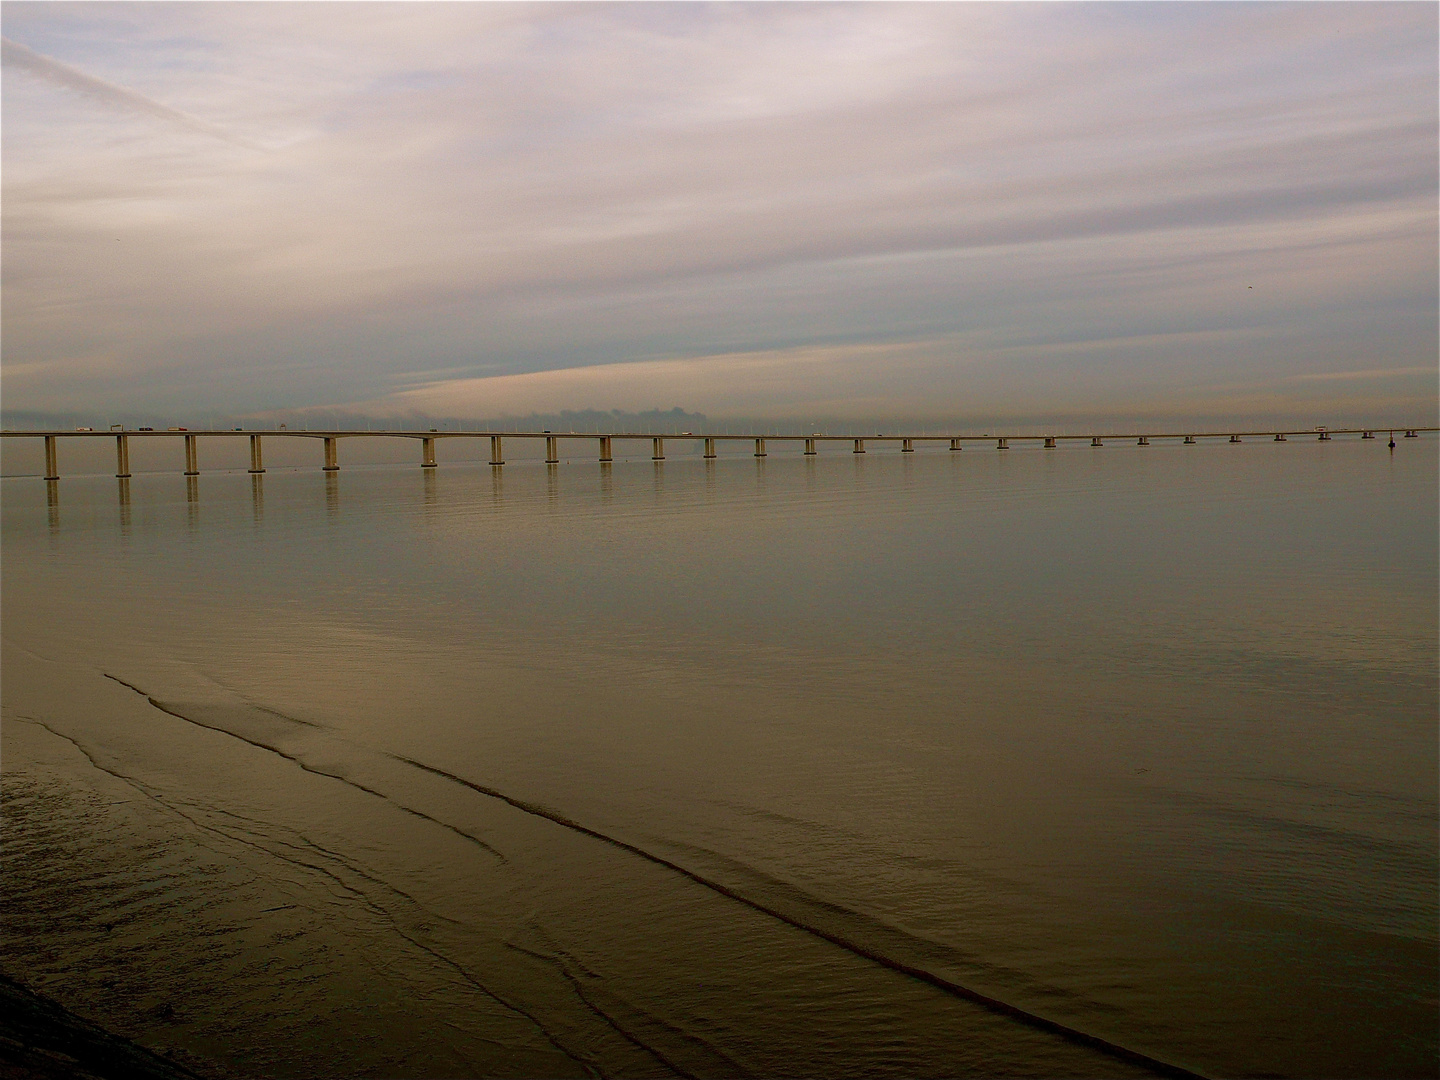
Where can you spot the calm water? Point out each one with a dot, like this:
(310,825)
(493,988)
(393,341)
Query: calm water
(653,770)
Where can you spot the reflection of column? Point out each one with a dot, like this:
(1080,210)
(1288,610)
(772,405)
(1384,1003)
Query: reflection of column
(52,501)
(52,471)
(330,463)
(257,461)
(430,487)
(192,502)
(607,481)
(427,453)
(122,456)
(332,494)
(257,497)
(124,497)
(552,484)
(192,465)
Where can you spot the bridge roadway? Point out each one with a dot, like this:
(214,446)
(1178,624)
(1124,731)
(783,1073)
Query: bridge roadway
(552,439)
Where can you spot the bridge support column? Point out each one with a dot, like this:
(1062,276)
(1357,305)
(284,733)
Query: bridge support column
(1095,441)
(495,448)
(52,470)
(122,457)
(759,447)
(605,449)
(810,446)
(427,453)
(954,444)
(1324,436)
(1189,440)
(906,447)
(709,448)
(1410,434)
(1049,442)
(1281,437)
(552,450)
(257,460)
(1234,438)
(1144,440)
(859,446)
(1002,444)
(330,463)
(192,463)
(657,449)
(1367,435)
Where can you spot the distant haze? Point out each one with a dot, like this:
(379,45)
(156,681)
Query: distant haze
(862,213)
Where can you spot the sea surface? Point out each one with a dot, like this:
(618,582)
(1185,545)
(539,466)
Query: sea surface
(1081,762)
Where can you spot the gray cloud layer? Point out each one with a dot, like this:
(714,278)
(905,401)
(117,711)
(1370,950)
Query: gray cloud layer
(870,210)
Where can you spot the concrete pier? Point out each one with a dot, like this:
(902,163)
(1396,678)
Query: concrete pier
(759,447)
(859,446)
(1324,436)
(52,470)
(907,446)
(1002,444)
(495,451)
(1234,438)
(1410,434)
(1095,441)
(605,457)
(552,450)
(122,457)
(1144,440)
(1189,440)
(709,448)
(427,453)
(1281,437)
(657,449)
(192,462)
(1049,442)
(331,465)
(954,444)
(1367,435)
(257,459)
(810,446)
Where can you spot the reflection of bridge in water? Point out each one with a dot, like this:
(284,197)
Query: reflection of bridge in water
(711,443)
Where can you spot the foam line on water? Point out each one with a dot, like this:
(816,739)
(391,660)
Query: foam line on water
(1004,1008)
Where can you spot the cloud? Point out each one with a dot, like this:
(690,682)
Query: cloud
(20,57)
(775,206)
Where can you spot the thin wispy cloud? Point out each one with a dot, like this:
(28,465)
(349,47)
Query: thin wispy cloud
(18,57)
(951,206)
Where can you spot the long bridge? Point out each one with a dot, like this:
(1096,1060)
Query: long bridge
(427,438)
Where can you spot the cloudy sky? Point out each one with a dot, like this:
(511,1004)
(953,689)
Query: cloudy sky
(864,211)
